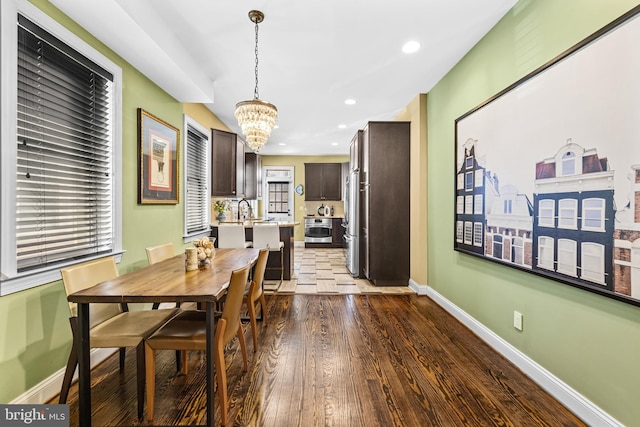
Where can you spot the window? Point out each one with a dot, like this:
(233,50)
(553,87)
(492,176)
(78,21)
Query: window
(59,180)
(197,199)
(517,250)
(568,214)
(545,213)
(468,181)
(593,214)
(592,263)
(569,163)
(468,230)
(477,234)
(545,252)
(479,177)
(460,204)
(460,183)
(477,204)
(468,162)
(508,206)
(567,257)
(468,205)
(497,246)
(459,231)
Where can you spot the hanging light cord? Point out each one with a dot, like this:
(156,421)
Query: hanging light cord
(255,92)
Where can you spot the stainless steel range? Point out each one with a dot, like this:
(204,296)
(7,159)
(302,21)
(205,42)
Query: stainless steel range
(318,230)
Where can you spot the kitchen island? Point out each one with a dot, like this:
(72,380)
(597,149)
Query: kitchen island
(286,236)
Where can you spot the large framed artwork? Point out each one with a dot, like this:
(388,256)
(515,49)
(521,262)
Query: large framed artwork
(547,172)
(158,144)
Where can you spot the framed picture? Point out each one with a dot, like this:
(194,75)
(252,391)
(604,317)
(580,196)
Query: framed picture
(547,172)
(158,144)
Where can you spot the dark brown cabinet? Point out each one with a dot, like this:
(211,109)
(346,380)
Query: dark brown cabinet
(323,181)
(227,164)
(252,176)
(385,202)
(337,233)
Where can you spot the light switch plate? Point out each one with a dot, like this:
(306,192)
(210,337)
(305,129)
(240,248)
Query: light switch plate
(517,320)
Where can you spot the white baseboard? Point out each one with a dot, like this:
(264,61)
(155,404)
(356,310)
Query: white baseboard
(50,387)
(574,401)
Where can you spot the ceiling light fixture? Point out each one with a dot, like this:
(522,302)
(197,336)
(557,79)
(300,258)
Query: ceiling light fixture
(350,101)
(256,117)
(411,47)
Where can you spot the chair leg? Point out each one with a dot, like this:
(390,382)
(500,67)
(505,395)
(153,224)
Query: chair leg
(221,373)
(243,347)
(71,363)
(263,303)
(184,354)
(140,380)
(251,308)
(150,362)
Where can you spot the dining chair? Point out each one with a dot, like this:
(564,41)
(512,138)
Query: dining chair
(159,253)
(255,293)
(231,235)
(267,235)
(110,325)
(187,332)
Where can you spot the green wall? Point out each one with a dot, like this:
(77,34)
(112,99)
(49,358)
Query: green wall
(589,341)
(35,337)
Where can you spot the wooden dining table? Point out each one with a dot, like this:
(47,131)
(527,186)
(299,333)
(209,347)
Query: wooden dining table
(166,281)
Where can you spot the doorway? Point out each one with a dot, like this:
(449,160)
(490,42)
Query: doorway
(278,193)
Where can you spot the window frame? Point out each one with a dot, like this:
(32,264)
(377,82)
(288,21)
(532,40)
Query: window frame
(546,242)
(568,222)
(189,122)
(602,209)
(10,280)
(567,256)
(551,218)
(587,258)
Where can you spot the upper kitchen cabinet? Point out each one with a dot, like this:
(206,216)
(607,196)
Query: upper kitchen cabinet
(227,164)
(323,181)
(253,176)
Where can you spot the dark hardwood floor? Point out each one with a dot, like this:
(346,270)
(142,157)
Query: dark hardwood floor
(342,360)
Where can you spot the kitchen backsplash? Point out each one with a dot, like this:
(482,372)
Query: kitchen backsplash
(311,208)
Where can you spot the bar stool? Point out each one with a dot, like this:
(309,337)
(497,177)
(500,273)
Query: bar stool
(231,235)
(267,235)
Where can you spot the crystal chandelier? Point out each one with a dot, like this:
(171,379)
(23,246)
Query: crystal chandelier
(256,117)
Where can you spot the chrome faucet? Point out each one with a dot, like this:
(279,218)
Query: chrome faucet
(248,205)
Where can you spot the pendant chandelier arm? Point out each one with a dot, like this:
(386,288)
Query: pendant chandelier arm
(255,91)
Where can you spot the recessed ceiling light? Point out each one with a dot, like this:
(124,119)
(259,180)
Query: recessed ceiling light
(411,47)
(334,143)
(282,143)
(350,101)
(276,127)
(342,126)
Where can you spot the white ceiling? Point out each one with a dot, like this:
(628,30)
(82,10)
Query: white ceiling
(312,56)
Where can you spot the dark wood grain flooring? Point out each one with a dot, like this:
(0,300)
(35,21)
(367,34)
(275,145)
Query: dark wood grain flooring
(343,360)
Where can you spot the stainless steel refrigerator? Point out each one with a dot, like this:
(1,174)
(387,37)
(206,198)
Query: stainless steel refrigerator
(351,216)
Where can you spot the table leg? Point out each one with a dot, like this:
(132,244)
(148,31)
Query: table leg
(84,366)
(210,308)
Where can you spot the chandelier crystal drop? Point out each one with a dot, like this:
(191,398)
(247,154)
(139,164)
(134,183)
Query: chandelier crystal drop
(256,118)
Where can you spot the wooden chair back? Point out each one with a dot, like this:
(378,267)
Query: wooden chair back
(85,275)
(233,303)
(159,253)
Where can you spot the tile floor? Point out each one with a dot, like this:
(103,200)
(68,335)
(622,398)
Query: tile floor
(323,271)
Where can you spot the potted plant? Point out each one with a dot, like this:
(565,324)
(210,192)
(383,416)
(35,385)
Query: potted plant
(221,206)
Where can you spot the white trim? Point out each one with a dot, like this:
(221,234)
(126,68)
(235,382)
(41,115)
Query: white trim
(50,387)
(574,401)
(418,288)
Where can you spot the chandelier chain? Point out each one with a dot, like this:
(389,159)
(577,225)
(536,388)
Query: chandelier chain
(255,92)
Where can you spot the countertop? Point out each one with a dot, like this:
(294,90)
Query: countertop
(249,223)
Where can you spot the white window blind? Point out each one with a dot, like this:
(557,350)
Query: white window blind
(197,196)
(64,187)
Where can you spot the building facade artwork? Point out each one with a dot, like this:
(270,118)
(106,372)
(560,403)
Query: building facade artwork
(574,211)
(509,228)
(627,241)
(476,189)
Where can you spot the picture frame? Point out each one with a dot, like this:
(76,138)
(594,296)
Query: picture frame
(159,148)
(547,171)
